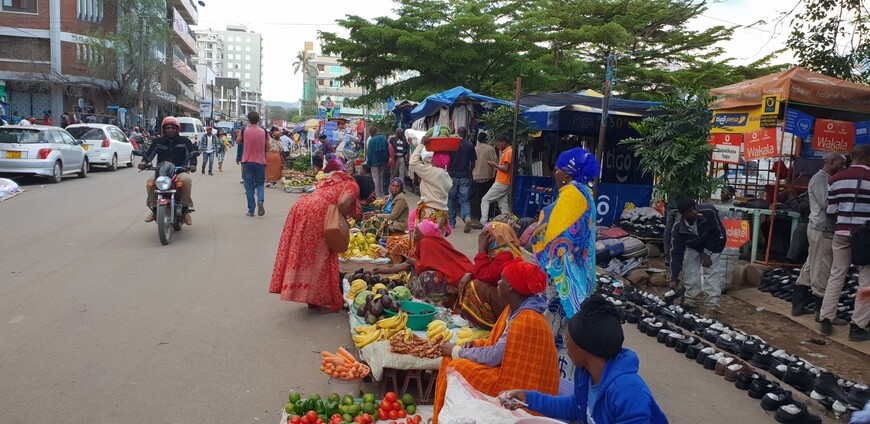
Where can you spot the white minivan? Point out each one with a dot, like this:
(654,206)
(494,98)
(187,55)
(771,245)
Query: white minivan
(191,128)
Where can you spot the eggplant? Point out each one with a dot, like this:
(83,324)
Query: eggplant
(376,309)
(361,312)
(394,307)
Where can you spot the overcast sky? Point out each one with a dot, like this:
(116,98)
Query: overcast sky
(287,24)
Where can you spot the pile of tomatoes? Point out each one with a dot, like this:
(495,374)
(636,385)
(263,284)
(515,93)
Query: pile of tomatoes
(391,408)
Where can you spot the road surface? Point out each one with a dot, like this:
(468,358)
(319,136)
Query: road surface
(99,323)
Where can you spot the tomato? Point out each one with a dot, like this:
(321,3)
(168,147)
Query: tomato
(304,420)
(395,406)
(294,419)
(368,418)
(393,415)
(390,397)
(311,416)
(386,405)
(403,414)
(320,421)
(382,414)
(358,420)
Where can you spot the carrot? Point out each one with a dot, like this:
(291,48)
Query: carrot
(327,355)
(346,355)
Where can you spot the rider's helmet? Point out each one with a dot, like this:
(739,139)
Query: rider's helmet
(170,120)
(136,129)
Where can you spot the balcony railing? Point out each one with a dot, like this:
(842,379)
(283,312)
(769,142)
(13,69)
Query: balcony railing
(181,32)
(182,67)
(187,10)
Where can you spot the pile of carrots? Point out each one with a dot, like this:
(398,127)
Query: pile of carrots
(343,365)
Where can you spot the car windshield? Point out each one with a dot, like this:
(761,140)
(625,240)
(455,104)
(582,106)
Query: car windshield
(187,128)
(14,135)
(86,133)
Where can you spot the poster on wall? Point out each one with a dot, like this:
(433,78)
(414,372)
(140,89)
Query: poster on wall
(737,232)
(737,120)
(760,144)
(798,123)
(834,136)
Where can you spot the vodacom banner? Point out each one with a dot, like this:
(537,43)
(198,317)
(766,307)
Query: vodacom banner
(760,144)
(737,232)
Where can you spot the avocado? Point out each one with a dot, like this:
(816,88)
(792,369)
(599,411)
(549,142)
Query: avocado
(371,319)
(377,309)
(361,312)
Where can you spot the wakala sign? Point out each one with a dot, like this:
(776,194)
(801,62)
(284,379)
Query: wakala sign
(834,136)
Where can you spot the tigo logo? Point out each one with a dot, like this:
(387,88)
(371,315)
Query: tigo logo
(731,119)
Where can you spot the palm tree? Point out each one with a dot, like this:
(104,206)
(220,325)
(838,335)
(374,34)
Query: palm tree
(301,62)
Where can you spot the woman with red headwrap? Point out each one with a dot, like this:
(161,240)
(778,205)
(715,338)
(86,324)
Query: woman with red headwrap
(520,350)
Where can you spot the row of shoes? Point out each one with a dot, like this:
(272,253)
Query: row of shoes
(646,226)
(782,283)
(736,356)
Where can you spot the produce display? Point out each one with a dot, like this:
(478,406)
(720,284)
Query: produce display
(342,365)
(381,330)
(390,282)
(464,335)
(411,344)
(356,286)
(437,330)
(360,246)
(299,182)
(375,305)
(347,410)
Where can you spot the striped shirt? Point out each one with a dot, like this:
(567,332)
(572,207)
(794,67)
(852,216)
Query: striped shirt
(849,198)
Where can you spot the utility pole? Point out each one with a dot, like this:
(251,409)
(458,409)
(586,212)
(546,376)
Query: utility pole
(56,68)
(514,159)
(605,110)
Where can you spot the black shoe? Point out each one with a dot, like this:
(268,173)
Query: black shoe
(825,327)
(682,345)
(669,315)
(760,387)
(858,334)
(653,328)
(703,354)
(693,350)
(673,295)
(859,396)
(727,343)
(745,378)
(795,413)
(827,387)
(763,360)
(673,338)
(800,299)
(773,400)
(260,210)
(710,361)
(633,315)
(800,378)
(662,335)
(710,335)
(748,349)
(817,302)
(643,324)
(779,370)
(688,322)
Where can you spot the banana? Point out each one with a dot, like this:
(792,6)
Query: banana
(365,329)
(436,323)
(408,334)
(364,340)
(377,287)
(355,287)
(389,323)
(481,334)
(447,335)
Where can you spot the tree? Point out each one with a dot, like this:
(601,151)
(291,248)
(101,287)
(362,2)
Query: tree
(832,37)
(282,113)
(499,123)
(129,52)
(673,146)
(302,62)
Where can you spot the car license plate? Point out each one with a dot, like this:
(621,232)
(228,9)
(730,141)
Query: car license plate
(13,154)
(86,147)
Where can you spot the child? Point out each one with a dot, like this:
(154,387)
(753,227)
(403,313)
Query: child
(607,388)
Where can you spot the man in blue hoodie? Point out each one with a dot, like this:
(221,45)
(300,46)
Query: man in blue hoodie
(607,389)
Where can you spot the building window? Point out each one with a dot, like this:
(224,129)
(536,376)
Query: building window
(247,85)
(320,82)
(320,68)
(336,70)
(335,84)
(247,75)
(22,6)
(247,48)
(247,66)
(247,39)
(88,10)
(247,57)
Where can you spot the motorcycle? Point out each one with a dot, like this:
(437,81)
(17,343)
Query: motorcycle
(169,211)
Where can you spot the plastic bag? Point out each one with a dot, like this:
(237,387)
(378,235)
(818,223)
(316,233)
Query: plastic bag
(464,404)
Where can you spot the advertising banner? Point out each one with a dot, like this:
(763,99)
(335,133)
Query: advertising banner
(862,132)
(798,123)
(737,232)
(726,153)
(834,136)
(737,120)
(760,144)
(613,199)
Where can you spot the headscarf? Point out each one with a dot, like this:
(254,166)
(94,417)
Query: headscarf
(596,328)
(428,228)
(332,165)
(579,163)
(526,278)
(505,240)
(441,160)
(507,218)
(388,208)
(400,182)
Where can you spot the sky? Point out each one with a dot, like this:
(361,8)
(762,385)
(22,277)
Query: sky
(287,24)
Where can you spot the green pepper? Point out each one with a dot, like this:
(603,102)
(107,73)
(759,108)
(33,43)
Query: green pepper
(331,408)
(318,407)
(301,407)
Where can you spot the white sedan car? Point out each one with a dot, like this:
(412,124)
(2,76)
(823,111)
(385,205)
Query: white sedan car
(40,150)
(105,144)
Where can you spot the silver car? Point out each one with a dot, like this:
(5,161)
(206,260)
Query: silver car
(41,150)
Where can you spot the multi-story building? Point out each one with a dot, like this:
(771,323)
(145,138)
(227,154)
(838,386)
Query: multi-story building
(181,50)
(235,53)
(321,84)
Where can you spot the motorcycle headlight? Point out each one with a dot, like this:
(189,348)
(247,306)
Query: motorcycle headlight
(163,183)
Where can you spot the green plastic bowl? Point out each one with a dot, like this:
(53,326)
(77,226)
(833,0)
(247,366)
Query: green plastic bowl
(419,314)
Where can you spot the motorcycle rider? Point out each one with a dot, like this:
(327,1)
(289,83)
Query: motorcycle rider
(176,149)
(138,137)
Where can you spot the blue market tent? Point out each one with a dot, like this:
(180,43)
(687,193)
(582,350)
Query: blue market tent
(447,98)
(402,110)
(589,99)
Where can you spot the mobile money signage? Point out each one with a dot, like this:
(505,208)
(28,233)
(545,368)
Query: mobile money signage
(834,136)
(760,144)
(737,120)
(737,232)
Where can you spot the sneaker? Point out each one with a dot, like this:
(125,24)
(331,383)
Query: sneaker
(826,327)
(858,334)
(251,214)
(468,225)
(260,210)
(477,225)
(150,217)
(188,219)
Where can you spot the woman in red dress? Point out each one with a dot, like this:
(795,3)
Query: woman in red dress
(306,270)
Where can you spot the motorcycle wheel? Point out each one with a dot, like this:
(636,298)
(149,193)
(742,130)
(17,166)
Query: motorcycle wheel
(164,225)
(177,226)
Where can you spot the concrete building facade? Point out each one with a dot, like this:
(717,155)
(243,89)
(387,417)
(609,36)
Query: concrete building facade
(235,54)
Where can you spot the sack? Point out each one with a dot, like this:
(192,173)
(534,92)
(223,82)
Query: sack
(465,404)
(861,245)
(612,233)
(633,248)
(336,230)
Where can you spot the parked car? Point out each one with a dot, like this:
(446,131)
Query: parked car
(105,144)
(41,150)
(191,128)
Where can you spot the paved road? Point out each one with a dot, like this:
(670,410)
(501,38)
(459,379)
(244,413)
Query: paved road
(99,323)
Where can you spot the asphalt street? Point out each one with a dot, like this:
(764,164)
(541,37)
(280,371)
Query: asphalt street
(100,323)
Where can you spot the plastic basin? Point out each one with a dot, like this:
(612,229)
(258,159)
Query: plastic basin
(443,144)
(419,314)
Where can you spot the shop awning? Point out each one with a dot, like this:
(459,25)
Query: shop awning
(447,98)
(587,98)
(796,85)
(552,118)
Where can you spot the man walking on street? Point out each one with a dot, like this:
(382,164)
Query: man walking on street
(402,153)
(483,176)
(849,203)
(698,239)
(810,287)
(254,163)
(377,156)
(461,163)
(208,145)
(501,188)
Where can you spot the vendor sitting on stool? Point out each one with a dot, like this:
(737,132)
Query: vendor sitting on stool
(520,352)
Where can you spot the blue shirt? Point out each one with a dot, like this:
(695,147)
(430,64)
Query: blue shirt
(462,161)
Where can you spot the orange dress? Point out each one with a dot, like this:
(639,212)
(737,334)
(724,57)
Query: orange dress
(530,360)
(306,270)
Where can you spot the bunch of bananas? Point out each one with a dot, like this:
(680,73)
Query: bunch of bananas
(403,276)
(437,329)
(382,330)
(378,286)
(355,287)
(480,334)
(464,335)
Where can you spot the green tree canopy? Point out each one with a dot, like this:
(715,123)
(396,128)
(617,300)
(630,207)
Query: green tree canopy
(832,37)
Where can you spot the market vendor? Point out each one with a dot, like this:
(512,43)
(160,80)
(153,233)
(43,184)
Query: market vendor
(435,184)
(438,267)
(394,214)
(519,353)
(497,245)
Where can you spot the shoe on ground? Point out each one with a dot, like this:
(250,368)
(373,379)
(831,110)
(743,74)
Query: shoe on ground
(477,225)
(827,387)
(826,327)
(260,209)
(251,214)
(773,400)
(858,334)
(468,225)
(839,322)
(210,173)
(150,217)
(795,413)
(188,219)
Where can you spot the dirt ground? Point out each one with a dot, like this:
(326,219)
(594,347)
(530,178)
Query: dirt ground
(786,334)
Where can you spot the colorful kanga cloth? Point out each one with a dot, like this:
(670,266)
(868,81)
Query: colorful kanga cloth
(529,361)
